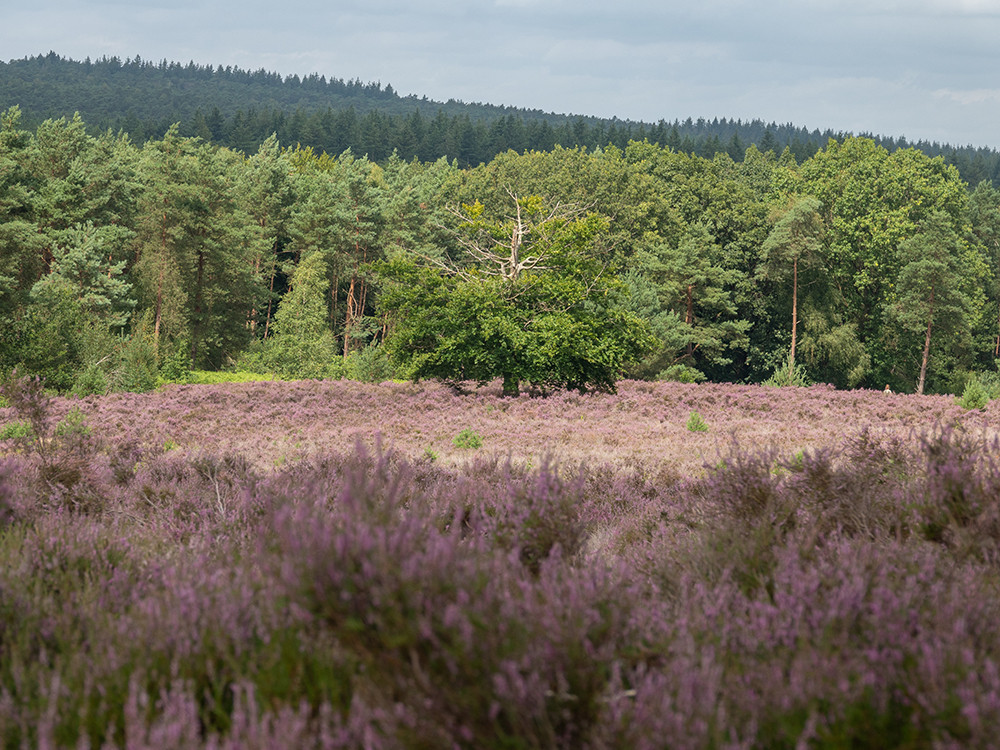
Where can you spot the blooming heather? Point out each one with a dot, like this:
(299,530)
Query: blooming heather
(253,565)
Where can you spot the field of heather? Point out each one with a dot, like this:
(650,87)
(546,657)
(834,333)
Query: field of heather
(342,565)
(644,424)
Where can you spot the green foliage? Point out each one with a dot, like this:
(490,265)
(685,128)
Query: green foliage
(136,368)
(784,377)
(176,367)
(48,339)
(369,365)
(682,374)
(570,267)
(17,430)
(92,381)
(467,439)
(975,395)
(81,266)
(934,293)
(74,424)
(548,312)
(205,377)
(695,423)
(690,301)
(303,346)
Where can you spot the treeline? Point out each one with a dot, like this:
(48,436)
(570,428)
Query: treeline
(856,266)
(240,109)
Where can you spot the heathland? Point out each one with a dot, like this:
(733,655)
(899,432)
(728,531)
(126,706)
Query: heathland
(337,564)
(530,461)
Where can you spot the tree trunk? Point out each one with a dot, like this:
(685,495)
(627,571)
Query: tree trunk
(349,318)
(270,297)
(689,317)
(159,285)
(795,315)
(199,304)
(511,385)
(996,349)
(927,346)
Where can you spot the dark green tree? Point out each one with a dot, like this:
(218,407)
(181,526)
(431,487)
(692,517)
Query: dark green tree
(930,291)
(689,303)
(302,345)
(795,240)
(531,302)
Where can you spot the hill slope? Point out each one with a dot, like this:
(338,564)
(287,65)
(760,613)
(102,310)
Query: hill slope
(241,108)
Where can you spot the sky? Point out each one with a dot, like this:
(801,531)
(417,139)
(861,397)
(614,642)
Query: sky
(922,69)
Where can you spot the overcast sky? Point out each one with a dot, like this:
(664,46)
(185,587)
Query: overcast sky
(924,69)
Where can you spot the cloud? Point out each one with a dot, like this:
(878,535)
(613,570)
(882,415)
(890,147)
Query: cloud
(969,96)
(893,67)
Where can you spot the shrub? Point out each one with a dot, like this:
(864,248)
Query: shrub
(137,369)
(467,439)
(695,423)
(975,395)
(208,377)
(682,374)
(784,377)
(176,367)
(16,431)
(369,365)
(91,381)
(62,471)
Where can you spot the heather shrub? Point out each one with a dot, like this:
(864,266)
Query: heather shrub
(537,516)
(857,488)
(188,491)
(818,593)
(742,483)
(958,499)
(427,613)
(61,470)
(9,470)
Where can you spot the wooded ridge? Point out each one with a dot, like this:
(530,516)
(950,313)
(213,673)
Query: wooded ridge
(123,260)
(241,108)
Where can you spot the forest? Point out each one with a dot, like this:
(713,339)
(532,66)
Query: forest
(242,108)
(857,266)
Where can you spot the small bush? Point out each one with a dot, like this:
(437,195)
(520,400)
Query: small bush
(368,365)
(206,377)
(92,381)
(784,377)
(16,431)
(73,424)
(467,440)
(682,374)
(696,424)
(975,395)
(176,367)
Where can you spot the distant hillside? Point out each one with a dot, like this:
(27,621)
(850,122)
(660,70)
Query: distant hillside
(240,108)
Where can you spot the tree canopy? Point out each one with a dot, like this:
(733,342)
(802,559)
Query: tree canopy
(568,267)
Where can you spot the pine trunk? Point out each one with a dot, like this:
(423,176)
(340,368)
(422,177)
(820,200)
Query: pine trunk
(927,347)
(795,316)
